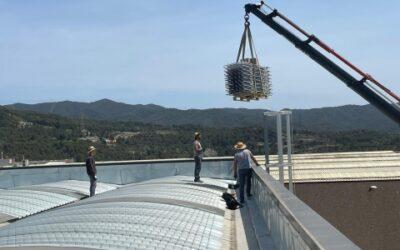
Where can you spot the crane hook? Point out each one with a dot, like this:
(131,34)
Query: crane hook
(246,19)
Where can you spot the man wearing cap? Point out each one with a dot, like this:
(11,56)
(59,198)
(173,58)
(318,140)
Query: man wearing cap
(242,167)
(198,156)
(91,169)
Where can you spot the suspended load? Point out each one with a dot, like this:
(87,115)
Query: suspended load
(246,80)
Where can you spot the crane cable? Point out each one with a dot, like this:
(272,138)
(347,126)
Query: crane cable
(246,38)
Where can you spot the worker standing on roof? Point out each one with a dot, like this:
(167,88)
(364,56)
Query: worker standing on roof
(91,169)
(242,167)
(198,156)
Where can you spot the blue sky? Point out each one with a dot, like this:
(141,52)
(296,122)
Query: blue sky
(172,53)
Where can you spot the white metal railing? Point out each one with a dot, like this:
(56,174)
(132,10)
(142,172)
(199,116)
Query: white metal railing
(291,224)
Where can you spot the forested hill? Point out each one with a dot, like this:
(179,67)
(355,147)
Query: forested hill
(48,137)
(343,118)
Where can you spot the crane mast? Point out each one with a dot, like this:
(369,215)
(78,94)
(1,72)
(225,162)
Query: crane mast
(367,87)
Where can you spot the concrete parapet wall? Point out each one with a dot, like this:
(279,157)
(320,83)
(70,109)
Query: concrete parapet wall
(114,172)
(290,222)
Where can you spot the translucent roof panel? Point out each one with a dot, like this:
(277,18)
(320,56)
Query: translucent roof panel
(21,203)
(28,200)
(80,187)
(207,182)
(173,193)
(107,221)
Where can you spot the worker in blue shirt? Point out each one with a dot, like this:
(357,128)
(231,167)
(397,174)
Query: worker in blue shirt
(242,169)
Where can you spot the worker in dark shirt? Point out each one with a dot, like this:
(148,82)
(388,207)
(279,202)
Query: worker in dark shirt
(198,156)
(91,169)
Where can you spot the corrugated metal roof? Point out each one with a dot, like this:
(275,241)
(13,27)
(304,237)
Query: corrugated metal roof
(348,166)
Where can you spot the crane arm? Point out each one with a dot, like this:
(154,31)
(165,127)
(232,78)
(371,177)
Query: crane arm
(378,95)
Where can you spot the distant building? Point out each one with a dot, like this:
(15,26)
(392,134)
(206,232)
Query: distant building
(110,141)
(93,139)
(25,163)
(6,162)
(24,124)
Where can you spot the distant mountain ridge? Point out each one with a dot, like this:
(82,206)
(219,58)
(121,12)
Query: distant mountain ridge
(342,118)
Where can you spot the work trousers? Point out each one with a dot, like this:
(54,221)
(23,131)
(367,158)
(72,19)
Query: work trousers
(197,167)
(93,184)
(244,179)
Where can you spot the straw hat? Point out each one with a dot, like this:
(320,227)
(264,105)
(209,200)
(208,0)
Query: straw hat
(91,149)
(240,145)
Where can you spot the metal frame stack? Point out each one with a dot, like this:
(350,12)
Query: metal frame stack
(247,80)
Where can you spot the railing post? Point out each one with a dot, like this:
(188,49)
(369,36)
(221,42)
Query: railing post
(289,150)
(266,143)
(280,147)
